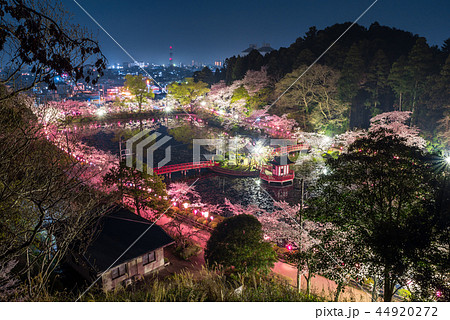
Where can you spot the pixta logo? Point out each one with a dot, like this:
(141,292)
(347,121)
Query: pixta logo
(147,144)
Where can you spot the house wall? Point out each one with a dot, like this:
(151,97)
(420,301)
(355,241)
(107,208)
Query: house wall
(134,270)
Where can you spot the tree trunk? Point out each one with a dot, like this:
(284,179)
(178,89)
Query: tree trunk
(140,120)
(388,287)
(308,283)
(413,109)
(136,204)
(302,202)
(299,279)
(374,289)
(339,289)
(400,102)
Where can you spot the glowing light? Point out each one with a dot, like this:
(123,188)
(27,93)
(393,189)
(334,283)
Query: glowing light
(101,112)
(212,218)
(168,109)
(236,116)
(289,247)
(266,237)
(203,103)
(438,294)
(174,204)
(185,205)
(447,159)
(195,211)
(205,214)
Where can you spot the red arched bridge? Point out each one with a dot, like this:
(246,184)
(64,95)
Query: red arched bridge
(185,167)
(288,149)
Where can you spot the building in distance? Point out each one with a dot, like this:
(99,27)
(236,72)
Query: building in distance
(263,50)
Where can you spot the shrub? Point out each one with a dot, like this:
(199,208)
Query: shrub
(237,244)
(207,285)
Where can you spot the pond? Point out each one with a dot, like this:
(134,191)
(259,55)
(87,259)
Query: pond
(212,187)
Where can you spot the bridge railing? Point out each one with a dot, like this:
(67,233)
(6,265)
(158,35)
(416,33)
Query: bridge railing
(288,149)
(185,166)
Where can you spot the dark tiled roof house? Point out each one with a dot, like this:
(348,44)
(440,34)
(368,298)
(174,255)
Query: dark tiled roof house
(115,233)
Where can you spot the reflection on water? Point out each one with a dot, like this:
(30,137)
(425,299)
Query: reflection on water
(215,188)
(212,187)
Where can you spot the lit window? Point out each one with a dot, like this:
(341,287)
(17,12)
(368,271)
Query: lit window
(148,258)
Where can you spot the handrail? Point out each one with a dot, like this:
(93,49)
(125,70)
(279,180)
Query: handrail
(288,149)
(185,166)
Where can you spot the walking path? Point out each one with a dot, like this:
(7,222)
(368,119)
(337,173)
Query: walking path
(320,286)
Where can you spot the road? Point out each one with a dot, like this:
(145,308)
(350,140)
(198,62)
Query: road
(320,286)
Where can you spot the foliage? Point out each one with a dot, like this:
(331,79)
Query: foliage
(205,75)
(396,123)
(46,203)
(181,192)
(144,189)
(138,88)
(187,92)
(379,193)
(312,99)
(38,35)
(208,285)
(379,69)
(237,244)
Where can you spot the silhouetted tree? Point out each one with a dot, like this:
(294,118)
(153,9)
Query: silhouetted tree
(38,36)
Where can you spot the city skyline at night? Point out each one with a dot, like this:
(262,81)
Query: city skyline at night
(206,32)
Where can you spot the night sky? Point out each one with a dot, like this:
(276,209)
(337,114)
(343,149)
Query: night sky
(206,31)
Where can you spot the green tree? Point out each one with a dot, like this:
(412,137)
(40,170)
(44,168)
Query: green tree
(379,194)
(142,188)
(187,92)
(313,99)
(239,70)
(435,105)
(237,244)
(420,64)
(46,203)
(377,76)
(349,83)
(205,75)
(137,85)
(351,74)
(240,93)
(400,81)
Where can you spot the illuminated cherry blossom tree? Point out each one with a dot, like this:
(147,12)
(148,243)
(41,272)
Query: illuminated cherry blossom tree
(395,123)
(281,123)
(254,80)
(181,192)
